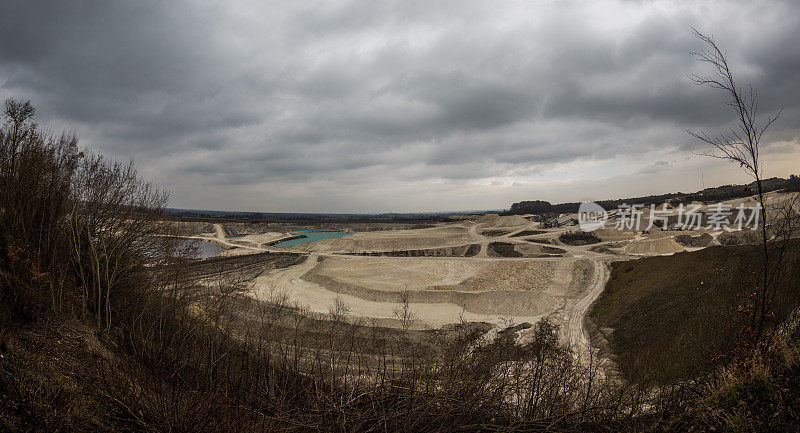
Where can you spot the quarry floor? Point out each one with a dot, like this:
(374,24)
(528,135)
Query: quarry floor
(534,276)
(503,270)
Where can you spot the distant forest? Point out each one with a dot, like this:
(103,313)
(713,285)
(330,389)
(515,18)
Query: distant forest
(721,193)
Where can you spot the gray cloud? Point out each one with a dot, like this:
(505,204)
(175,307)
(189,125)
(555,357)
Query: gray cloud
(292,100)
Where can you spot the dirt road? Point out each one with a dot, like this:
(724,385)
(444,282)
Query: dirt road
(319,298)
(576,331)
(219,231)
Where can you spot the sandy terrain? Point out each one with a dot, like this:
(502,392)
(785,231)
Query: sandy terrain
(391,240)
(398,274)
(576,331)
(262,239)
(657,246)
(494,220)
(320,300)
(499,270)
(611,234)
(442,290)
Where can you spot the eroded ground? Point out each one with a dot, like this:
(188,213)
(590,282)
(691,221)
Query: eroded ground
(493,269)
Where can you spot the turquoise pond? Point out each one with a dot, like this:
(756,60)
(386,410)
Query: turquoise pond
(311,236)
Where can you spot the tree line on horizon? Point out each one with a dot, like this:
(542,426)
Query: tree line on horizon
(708,195)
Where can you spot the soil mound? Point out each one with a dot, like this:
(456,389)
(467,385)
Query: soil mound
(656,246)
(494,220)
(512,221)
(694,241)
(503,249)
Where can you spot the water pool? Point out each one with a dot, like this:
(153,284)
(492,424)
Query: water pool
(311,236)
(205,249)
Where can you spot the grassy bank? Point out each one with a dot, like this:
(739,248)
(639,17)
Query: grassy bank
(669,318)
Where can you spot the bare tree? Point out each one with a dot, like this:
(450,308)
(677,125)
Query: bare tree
(740,145)
(17,115)
(74,226)
(112,224)
(36,171)
(403,311)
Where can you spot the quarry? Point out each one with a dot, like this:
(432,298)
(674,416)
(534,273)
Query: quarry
(500,270)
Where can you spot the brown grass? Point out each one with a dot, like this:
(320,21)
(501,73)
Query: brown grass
(666,318)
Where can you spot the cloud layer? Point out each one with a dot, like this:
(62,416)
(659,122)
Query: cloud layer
(399,105)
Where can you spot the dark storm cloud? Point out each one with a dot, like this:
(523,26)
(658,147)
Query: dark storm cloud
(385,92)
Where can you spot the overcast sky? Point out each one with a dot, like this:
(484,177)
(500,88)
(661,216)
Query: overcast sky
(376,106)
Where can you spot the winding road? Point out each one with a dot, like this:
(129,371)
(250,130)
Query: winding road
(576,331)
(289,281)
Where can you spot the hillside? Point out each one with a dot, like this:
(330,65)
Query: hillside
(708,195)
(663,316)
